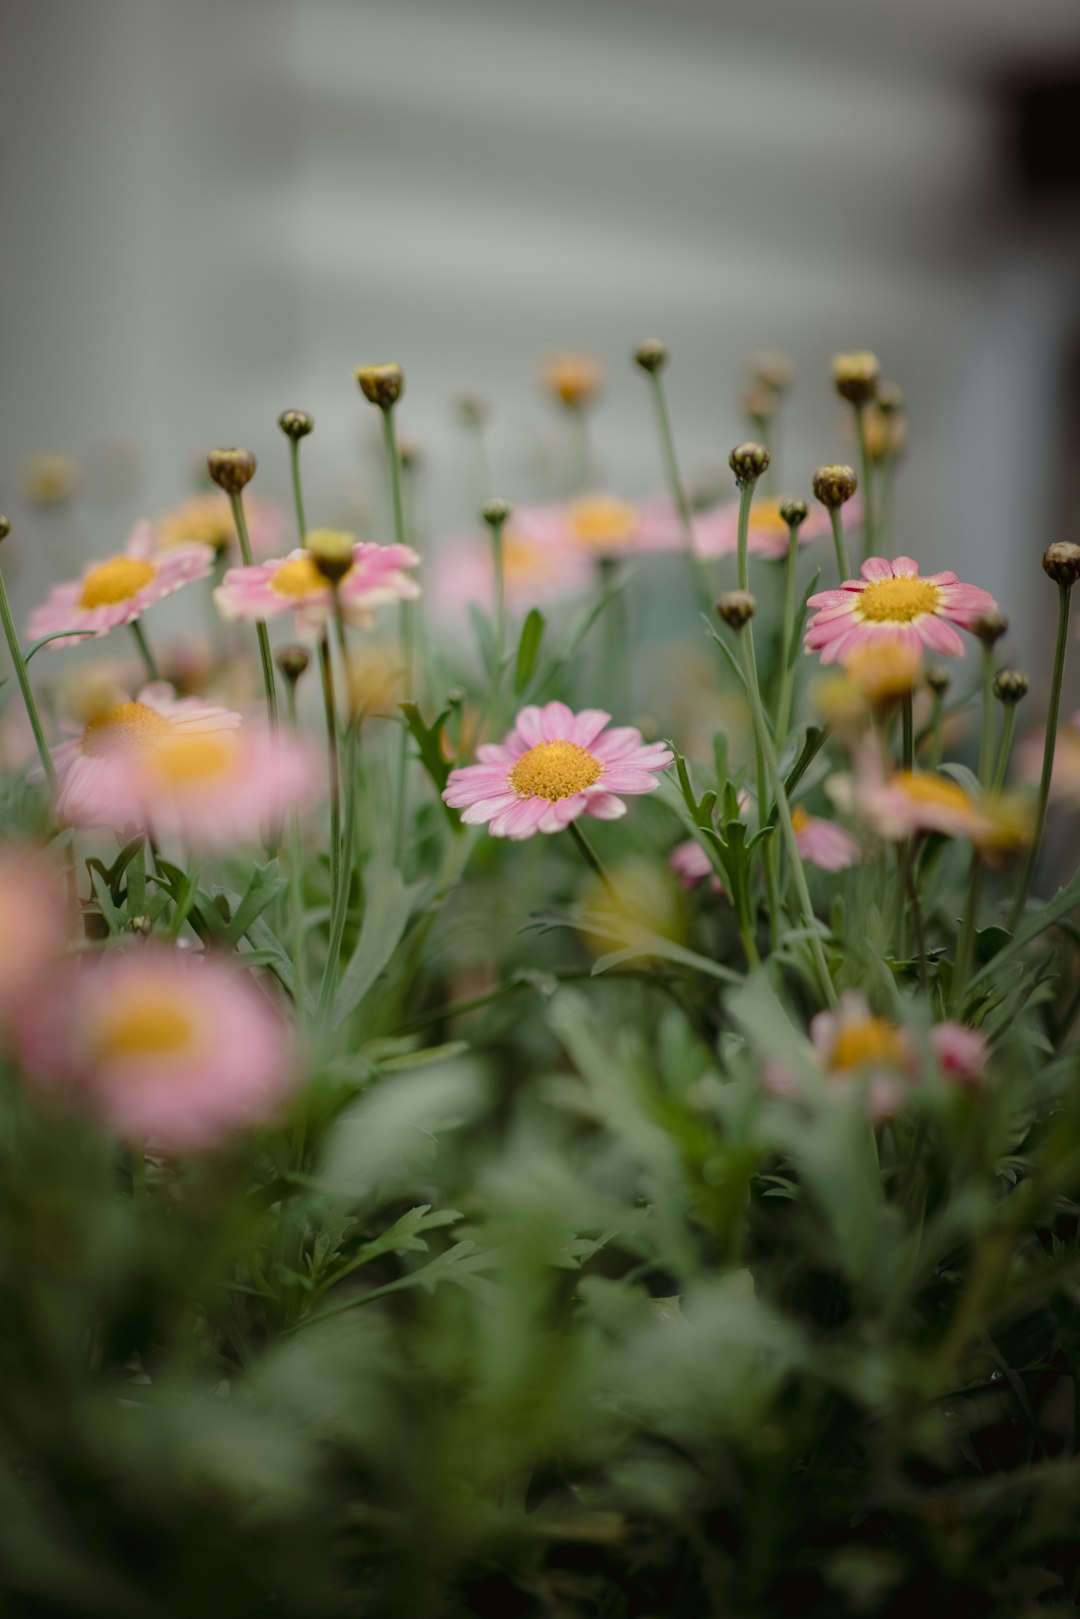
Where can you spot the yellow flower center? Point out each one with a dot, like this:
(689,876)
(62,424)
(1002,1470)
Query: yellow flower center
(523,561)
(554,770)
(149,1024)
(924,788)
(126,723)
(194,757)
(298,577)
(870,1040)
(204,521)
(799,819)
(115,581)
(765,517)
(602,520)
(898,601)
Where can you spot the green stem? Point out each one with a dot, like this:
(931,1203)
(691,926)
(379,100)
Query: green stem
(787,669)
(408,650)
(869,525)
(907,736)
(1064,592)
(746,499)
(24,686)
(500,596)
(144,648)
(843,567)
(937,730)
(592,859)
(185,902)
(295,858)
(326,670)
(965,942)
(237,503)
(772,895)
(757,714)
(340,903)
(678,493)
(986,732)
(298,493)
(1005,751)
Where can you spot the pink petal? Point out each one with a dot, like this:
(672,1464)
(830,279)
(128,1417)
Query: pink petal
(939,635)
(605,807)
(588,725)
(876,568)
(905,568)
(557,722)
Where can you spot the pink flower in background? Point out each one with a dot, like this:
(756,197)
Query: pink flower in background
(601,525)
(96,768)
(716,531)
(554,766)
(961,1053)
(852,1042)
(34,923)
(823,843)
(293,584)
(692,865)
(216,788)
(175,1051)
(207,520)
(892,602)
(118,590)
(534,574)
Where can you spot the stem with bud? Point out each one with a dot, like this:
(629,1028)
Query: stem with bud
(237,503)
(24,685)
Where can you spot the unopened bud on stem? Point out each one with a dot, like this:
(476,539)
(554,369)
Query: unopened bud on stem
(1061,561)
(736,608)
(293,661)
(5,528)
(331,550)
(295,424)
(990,626)
(938,679)
(231,470)
(856,376)
(1010,686)
(381,385)
(748,462)
(794,512)
(495,513)
(651,355)
(834,485)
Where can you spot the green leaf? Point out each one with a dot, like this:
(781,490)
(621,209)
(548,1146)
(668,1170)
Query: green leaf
(532,635)
(732,661)
(44,640)
(389,903)
(403,1237)
(428,740)
(1065,900)
(267,882)
(800,620)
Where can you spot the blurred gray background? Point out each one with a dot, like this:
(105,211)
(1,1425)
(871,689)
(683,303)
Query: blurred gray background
(214,209)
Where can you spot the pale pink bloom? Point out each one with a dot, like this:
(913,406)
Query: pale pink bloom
(534,574)
(897,806)
(823,843)
(293,584)
(692,865)
(207,520)
(961,1053)
(216,788)
(892,602)
(554,766)
(120,589)
(34,923)
(716,531)
(175,1051)
(96,766)
(601,525)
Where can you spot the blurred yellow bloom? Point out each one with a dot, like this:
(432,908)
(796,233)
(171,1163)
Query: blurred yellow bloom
(571,378)
(50,479)
(884,671)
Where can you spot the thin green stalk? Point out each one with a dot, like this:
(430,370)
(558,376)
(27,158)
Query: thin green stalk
(907,734)
(865,473)
(1008,728)
(678,493)
(937,730)
(237,504)
(986,732)
(144,649)
(592,860)
(326,670)
(757,714)
(295,856)
(1064,592)
(408,648)
(500,592)
(787,669)
(746,500)
(843,567)
(772,894)
(298,493)
(965,942)
(340,903)
(24,686)
(185,902)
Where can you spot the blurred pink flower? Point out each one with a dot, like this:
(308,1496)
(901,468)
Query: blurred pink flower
(207,520)
(217,788)
(852,1041)
(823,843)
(34,923)
(554,766)
(716,531)
(175,1051)
(692,865)
(118,590)
(892,602)
(601,525)
(961,1053)
(534,574)
(293,584)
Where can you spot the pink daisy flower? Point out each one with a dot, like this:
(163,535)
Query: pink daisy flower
(892,602)
(554,766)
(534,575)
(293,584)
(34,924)
(95,767)
(692,865)
(207,519)
(120,589)
(217,788)
(716,531)
(601,525)
(961,1053)
(175,1051)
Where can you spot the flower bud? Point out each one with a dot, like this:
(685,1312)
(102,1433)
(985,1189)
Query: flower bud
(834,485)
(736,608)
(1061,561)
(295,424)
(1010,686)
(495,513)
(409,453)
(939,679)
(748,462)
(231,470)
(573,380)
(890,398)
(5,528)
(990,626)
(651,355)
(331,550)
(142,926)
(381,385)
(772,369)
(759,404)
(292,661)
(794,512)
(856,376)
(884,434)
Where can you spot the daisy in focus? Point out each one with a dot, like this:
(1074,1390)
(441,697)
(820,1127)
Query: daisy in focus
(175,1051)
(600,525)
(120,589)
(716,531)
(554,766)
(293,584)
(892,602)
(208,520)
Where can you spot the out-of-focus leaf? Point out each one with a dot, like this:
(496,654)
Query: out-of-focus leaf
(388,905)
(532,635)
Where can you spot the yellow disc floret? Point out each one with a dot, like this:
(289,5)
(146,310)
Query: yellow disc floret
(555,770)
(149,1024)
(198,756)
(871,1039)
(922,787)
(298,577)
(765,517)
(897,601)
(123,724)
(114,581)
(206,520)
(603,520)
